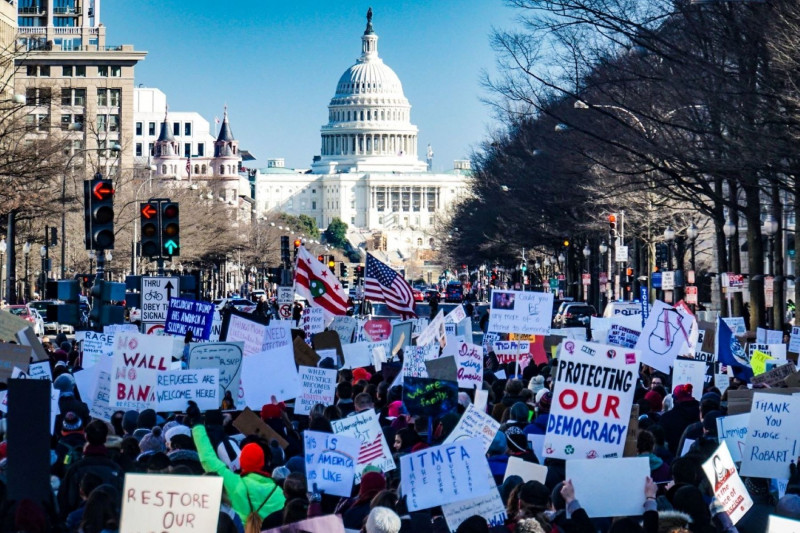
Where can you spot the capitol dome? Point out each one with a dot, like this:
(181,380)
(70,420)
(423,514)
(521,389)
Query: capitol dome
(369,119)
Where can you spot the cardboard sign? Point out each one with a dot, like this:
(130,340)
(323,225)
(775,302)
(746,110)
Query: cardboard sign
(327,340)
(692,372)
(227,358)
(317,385)
(13,355)
(772,436)
(313,321)
(443,368)
(10,325)
(136,362)
(669,332)
(444,474)
(176,387)
(521,312)
(267,374)
(592,398)
(374,451)
(474,423)
(435,331)
(776,376)
(27,337)
(344,326)
(732,430)
(489,506)
(249,423)
(526,470)
(401,335)
(330,462)
(189,315)
(429,397)
(592,478)
(456,315)
(160,502)
(728,486)
(304,354)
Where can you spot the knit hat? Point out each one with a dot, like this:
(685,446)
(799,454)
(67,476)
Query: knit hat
(654,400)
(395,410)
(534,493)
(228,451)
(251,459)
(361,373)
(64,383)
(545,402)
(177,430)
(71,422)
(129,421)
(509,483)
(371,484)
(270,410)
(540,394)
(153,442)
(519,412)
(710,422)
(146,419)
(536,384)
(517,442)
(473,524)
(382,520)
(295,464)
(682,393)
(280,472)
(498,445)
(66,346)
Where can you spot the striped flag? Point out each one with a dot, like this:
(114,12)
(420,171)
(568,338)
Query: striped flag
(382,284)
(316,283)
(370,452)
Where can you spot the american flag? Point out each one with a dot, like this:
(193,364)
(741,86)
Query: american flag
(382,284)
(316,283)
(370,452)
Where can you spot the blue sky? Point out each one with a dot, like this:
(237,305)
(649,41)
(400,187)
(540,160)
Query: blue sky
(276,64)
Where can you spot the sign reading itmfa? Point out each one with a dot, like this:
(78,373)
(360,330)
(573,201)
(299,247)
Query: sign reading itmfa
(156,293)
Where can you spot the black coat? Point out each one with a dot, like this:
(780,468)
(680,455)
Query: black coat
(676,420)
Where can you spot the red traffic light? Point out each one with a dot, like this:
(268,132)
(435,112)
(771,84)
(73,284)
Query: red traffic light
(171,210)
(148,211)
(102,190)
(321,258)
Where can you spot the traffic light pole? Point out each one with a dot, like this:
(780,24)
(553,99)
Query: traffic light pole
(160,263)
(101,264)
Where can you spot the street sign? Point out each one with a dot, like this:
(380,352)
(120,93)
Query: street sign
(285,295)
(153,329)
(690,295)
(156,292)
(603,277)
(285,311)
(586,279)
(621,254)
(735,282)
(690,277)
(769,292)
(668,280)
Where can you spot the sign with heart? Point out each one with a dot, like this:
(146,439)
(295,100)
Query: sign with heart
(378,329)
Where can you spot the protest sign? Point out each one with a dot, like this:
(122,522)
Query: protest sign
(592,398)
(779,524)
(96,346)
(456,315)
(27,337)
(474,423)
(330,523)
(526,470)
(692,372)
(794,340)
(176,387)
(736,324)
(98,392)
(401,336)
(375,329)
(249,423)
(13,355)
(521,312)
(728,487)
(267,374)
(758,362)
(669,332)
(769,336)
(344,326)
(360,354)
(414,361)
(624,336)
(313,321)
(10,325)
(443,368)
(775,377)
(374,451)
(317,385)
(189,315)
(136,361)
(330,462)
(444,474)
(239,328)
(510,351)
(305,354)
(732,430)
(225,356)
(469,364)
(161,502)
(327,340)
(489,506)
(592,478)
(771,443)
(435,331)
(481,399)
(722,382)
(429,397)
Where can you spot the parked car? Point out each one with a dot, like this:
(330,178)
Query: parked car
(41,306)
(29,314)
(454,292)
(430,292)
(240,304)
(418,296)
(577,314)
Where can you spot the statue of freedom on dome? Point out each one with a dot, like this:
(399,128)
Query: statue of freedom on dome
(369,21)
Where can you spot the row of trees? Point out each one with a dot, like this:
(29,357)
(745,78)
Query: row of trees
(675,112)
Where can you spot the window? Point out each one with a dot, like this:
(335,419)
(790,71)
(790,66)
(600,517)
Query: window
(163,169)
(150,148)
(102,97)
(32,70)
(102,122)
(114,97)
(80,71)
(139,129)
(71,97)
(37,96)
(113,122)
(151,128)
(138,149)
(44,70)
(187,128)
(66,71)
(419,242)
(67,120)
(314,204)
(201,149)
(313,191)
(353,220)
(102,71)
(176,128)
(203,169)
(187,150)
(116,71)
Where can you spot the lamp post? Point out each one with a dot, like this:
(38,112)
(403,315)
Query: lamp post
(43,277)
(26,251)
(691,233)
(562,265)
(770,228)
(729,230)
(587,252)
(603,249)
(3,248)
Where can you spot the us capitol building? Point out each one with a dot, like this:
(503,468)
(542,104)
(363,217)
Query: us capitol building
(368,172)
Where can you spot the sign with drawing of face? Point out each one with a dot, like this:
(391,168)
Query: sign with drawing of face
(668,332)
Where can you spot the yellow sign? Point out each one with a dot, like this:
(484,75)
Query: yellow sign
(758,362)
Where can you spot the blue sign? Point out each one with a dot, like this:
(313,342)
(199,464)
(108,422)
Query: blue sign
(189,315)
(656,280)
(645,296)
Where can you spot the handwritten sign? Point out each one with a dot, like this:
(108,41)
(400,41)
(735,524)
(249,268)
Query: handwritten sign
(137,360)
(728,486)
(592,478)
(508,351)
(360,354)
(592,401)
(96,346)
(772,436)
(794,340)
(317,385)
(692,372)
(521,312)
(429,397)
(736,324)
(159,502)
(330,462)
(490,506)
(189,315)
(776,376)
(376,329)
(176,387)
(456,315)
(414,362)
(733,431)
(444,474)
(227,358)
(374,451)
(435,331)
(270,373)
(624,336)
(475,424)
(344,326)
(669,332)
(313,321)
(94,383)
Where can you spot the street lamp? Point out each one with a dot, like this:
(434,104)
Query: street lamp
(3,248)
(43,278)
(692,233)
(729,230)
(669,236)
(587,252)
(26,250)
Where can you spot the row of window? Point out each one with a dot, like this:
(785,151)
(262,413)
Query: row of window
(187,150)
(70,96)
(369,114)
(103,71)
(176,128)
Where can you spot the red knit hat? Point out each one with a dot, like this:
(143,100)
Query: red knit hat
(654,399)
(371,484)
(361,373)
(682,393)
(252,459)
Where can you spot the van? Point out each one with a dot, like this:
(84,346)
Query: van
(454,292)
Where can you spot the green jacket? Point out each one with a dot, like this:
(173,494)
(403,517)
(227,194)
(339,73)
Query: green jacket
(256,486)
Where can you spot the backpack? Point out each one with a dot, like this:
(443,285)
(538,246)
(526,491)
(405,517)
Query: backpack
(73,455)
(253,522)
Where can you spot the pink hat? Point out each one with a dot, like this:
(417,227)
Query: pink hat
(395,409)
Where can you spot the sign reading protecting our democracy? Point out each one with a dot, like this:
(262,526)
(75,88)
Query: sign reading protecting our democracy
(592,399)
(521,312)
(96,346)
(176,387)
(444,474)
(137,360)
(475,424)
(159,502)
(374,451)
(317,385)
(330,462)
(772,436)
(225,356)
(189,315)
(728,487)
(669,332)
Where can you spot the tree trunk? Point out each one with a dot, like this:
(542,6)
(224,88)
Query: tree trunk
(755,256)
(778,298)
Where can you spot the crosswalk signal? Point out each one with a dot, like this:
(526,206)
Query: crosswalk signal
(151,236)
(98,195)
(170,229)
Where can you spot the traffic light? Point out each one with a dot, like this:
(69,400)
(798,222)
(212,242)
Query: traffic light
(98,196)
(297,243)
(359,272)
(104,313)
(321,258)
(170,229)
(332,264)
(661,253)
(612,223)
(343,273)
(285,249)
(151,236)
(69,311)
